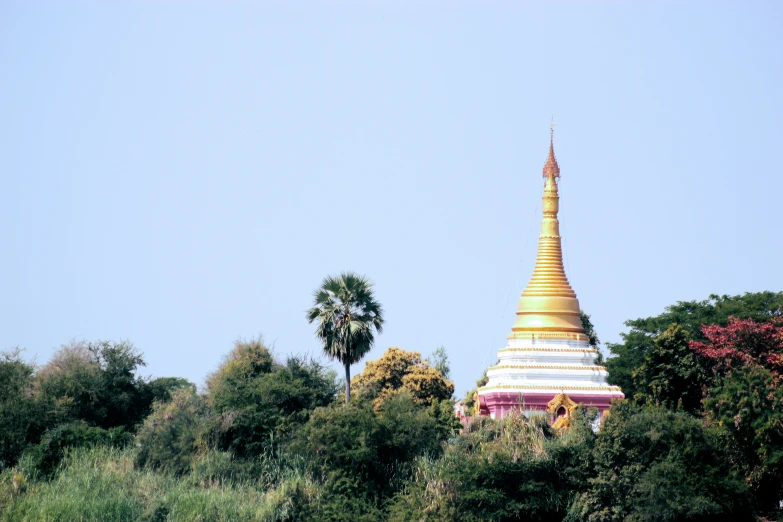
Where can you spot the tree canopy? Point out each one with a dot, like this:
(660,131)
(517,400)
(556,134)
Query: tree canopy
(672,374)
(258,398)
(629,355)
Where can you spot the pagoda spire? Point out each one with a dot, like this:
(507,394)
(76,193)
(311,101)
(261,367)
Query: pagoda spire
(548,303)
(551,168)
(548,364)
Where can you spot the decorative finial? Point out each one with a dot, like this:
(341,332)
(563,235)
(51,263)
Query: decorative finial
(551,168)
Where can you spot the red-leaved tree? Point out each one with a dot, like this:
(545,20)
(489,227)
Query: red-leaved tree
(743,342)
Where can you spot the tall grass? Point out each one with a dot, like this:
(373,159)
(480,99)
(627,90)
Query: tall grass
(101,484)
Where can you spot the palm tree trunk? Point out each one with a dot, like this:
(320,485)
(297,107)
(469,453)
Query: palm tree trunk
(347,383)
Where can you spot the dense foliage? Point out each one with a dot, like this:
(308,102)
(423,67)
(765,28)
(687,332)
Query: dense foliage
(718,360)
(700,437)
(671,374)
(514,468)
(650,463)
(690,315)
(93,389)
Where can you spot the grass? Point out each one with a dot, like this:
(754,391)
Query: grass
(100,484)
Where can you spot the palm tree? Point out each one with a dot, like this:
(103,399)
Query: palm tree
(347,312)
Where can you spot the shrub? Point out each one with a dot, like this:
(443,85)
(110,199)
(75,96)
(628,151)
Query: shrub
(44,458)
(174,433)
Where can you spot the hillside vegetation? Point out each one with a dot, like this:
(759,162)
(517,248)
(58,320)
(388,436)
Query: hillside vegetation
(699,437)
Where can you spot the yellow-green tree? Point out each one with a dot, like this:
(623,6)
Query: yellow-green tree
(400,370)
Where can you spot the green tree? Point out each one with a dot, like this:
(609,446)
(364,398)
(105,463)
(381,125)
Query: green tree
(515,468)
(97,382)
(592,336)
(654,464)
(469,400)
(163,388)
(440,361)
(347,315)
(690,315)
(748,404)
(589,329)
(672,374)
(72,379)
(126,398)
(21,415)
(258,398)
(368,452)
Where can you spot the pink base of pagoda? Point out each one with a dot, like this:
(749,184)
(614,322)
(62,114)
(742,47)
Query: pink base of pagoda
(499,404)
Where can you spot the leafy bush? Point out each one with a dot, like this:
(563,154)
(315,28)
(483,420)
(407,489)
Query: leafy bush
(175,431)
(344,500)
(469,400)
(44,458)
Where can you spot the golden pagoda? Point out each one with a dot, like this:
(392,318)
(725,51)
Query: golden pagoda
(548,361)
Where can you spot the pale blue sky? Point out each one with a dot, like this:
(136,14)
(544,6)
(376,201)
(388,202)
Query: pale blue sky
(182,174)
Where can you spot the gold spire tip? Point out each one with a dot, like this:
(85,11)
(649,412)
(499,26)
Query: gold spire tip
(551,168)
